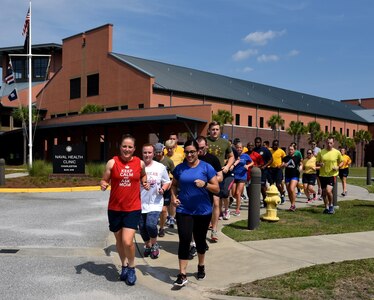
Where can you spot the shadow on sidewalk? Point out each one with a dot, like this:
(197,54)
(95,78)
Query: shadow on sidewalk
(108,270)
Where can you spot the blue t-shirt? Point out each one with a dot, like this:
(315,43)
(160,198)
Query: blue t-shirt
(264,152)
(194,200)
(240,173)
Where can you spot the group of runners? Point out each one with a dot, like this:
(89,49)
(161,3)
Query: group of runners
(190,187)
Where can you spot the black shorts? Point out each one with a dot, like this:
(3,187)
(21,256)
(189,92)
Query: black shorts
(275,175)
(343,173)
(167,197)
(325,181)
(226,185)
(123,219)
(309,179)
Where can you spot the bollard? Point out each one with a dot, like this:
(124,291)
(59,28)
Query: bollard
(368,173)
(335,193)
(254,197)
(2,171)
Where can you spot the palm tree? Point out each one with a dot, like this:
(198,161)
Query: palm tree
(222,117)
(362,137)
(296,129)
(275,122)
(313,128)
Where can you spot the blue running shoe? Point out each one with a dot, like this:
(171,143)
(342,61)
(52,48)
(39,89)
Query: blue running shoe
(331,210)
(131,277)
(124,272)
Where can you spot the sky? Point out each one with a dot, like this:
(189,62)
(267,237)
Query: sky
(319,47)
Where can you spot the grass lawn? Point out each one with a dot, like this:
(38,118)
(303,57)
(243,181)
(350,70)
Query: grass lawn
(343,280)
(361,182)
(352,216)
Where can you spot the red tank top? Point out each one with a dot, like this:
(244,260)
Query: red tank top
(125,185)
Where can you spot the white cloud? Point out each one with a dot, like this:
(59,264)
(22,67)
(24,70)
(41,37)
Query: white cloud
(294,52)
(243,54)
(262,38)
(247,69)
(267,58)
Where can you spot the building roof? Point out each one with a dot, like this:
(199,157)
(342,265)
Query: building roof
(367,114)
(36,49)
(170,77)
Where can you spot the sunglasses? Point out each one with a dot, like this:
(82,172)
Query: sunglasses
(309,153)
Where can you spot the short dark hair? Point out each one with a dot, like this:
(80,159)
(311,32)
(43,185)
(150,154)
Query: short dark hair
(202,138)
(213,123)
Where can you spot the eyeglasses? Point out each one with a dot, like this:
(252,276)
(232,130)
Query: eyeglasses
(309,153)
(192,152)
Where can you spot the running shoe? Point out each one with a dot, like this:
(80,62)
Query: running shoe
(298,194)
(147,251)
(124,272)
(171,222)
(193,252)
(237,213)
(214,236)
(331,210)
(326,211)
(220,216)
(343,194)
(161,232)
(181,280)
(155,251)
(131,276)
(292,208)
(226,215)
(200,272)
(283,199)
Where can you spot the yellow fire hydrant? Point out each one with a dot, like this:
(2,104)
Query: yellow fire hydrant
(272,200)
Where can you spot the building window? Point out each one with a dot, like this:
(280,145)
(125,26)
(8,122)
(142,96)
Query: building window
(124,107)
(21,68)
(161,105)
(39,68)
(237,119)
(341,130)
(249,121)
(141,105)
(354,133)
(333,129)
(5,121)
(75,88)
(326,128)
(92,85)
(347,132)
(261,122)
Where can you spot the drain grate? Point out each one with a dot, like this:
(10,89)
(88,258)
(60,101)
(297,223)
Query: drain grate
(8,251)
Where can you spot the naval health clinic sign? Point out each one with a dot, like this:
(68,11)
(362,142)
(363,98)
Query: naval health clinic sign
(69,159)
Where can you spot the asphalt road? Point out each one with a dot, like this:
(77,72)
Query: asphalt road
(54,246)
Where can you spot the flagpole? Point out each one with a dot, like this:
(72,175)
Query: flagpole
(30,91)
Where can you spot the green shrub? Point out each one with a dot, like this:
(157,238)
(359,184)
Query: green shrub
(95,169)
(40,168)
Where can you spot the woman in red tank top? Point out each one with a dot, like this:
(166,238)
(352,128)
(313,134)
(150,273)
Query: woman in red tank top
(125,173)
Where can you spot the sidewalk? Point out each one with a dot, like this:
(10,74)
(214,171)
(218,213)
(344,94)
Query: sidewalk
(229,262)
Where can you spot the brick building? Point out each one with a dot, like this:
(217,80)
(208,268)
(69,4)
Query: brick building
(149,99)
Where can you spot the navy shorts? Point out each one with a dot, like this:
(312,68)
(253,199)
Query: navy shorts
(123,219)
(309,179)
(264,176)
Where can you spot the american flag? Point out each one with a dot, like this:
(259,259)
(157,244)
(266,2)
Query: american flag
(9,78)
(27,23)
